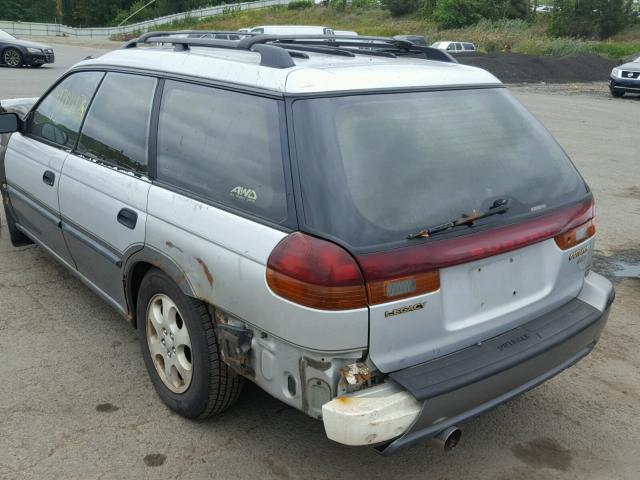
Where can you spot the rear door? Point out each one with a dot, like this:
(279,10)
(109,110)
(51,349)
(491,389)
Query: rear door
(34,159)
(104,184)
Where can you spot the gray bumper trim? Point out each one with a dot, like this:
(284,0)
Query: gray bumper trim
(468,401)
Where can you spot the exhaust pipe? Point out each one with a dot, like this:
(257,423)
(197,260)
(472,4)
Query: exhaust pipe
(448,439)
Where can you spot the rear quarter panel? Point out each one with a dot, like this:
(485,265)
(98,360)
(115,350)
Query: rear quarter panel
(224,257)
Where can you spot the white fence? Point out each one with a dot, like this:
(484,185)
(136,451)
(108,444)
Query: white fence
(52,29)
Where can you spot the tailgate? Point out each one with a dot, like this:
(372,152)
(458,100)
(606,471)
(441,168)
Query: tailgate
(476,301)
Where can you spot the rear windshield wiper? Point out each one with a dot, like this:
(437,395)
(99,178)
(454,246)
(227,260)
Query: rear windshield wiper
(500,206)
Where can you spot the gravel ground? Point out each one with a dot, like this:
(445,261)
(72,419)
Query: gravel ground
(76,401)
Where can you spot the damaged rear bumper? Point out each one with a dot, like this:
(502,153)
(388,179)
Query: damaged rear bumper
(419,402)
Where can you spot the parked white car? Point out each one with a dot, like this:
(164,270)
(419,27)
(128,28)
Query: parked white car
(455,47)
(292,30)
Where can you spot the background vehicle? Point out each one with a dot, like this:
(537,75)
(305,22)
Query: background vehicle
(292,30)
(415,39)
(455,47)
(370,311)
(17,53)
(345,33)
(218,36)
(625,79)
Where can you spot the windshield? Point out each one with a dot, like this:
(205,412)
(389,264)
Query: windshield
(376,168)
(5,36)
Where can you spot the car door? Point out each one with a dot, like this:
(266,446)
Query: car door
(104,186)
(35,157)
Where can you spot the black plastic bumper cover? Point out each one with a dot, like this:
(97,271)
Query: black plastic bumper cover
(465,384)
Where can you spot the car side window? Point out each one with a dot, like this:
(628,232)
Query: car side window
(458,47)
(451,47)
(58,117)
(116,129)
(223,146)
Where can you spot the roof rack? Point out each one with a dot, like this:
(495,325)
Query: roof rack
(363,45)
(276,50)
(270,55)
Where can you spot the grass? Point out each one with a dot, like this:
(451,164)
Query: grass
(515,35)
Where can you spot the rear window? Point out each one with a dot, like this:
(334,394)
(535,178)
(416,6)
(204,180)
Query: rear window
(468,46)
(376,168)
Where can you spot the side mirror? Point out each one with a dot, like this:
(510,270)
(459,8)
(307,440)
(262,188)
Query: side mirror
(10,123)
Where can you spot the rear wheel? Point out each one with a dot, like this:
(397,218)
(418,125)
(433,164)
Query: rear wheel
(180,350)
(12,57)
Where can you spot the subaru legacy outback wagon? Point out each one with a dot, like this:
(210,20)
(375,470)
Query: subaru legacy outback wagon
(292,211)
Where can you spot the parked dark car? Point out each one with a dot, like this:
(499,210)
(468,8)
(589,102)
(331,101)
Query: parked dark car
(17,53)
(625,78)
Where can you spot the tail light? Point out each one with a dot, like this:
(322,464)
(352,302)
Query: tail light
(315,273)
(577,235)
(320,274)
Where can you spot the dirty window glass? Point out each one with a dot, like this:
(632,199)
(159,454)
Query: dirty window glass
(58,117)
(375,168)
(116,130)
(224,146)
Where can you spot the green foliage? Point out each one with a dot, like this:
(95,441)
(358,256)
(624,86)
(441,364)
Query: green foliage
(28,10)
(400,7)
(300,4)
(457,13)
(589,18)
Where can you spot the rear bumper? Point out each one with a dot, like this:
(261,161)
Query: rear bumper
(419,402)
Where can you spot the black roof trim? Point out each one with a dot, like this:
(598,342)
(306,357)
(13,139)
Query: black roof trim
(280,48)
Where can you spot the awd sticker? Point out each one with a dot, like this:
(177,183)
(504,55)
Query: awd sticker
(243,193)
(407,309)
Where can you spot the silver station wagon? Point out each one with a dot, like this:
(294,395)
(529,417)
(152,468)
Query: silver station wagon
(293,211)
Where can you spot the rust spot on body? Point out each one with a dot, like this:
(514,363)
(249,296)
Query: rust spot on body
(344,400)
(206,271)
(171,245)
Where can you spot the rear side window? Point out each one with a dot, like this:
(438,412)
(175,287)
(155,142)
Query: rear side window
(468,46)
(223,146)
(116,130)
(58,117)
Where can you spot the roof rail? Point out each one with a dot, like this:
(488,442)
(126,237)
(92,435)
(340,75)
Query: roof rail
(270,55)
(276,50)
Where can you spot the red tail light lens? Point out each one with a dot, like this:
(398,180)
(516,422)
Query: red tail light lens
(433,255)
(315,273)
(320,274)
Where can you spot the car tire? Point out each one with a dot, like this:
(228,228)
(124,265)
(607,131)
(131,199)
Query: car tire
(186,370)
(12,57)
(616,93)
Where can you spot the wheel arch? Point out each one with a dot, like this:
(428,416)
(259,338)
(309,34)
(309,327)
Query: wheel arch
(138,263)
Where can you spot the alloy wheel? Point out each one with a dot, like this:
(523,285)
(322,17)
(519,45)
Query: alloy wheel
(169,343)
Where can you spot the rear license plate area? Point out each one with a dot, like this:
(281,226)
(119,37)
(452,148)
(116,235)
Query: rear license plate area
(496,283)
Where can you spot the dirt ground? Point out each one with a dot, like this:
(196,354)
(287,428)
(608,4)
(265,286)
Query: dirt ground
(519,68)
(76,402)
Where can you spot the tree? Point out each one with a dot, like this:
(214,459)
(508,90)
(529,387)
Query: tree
(589,18)
(400,7)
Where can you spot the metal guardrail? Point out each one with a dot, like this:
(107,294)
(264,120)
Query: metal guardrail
(57,30)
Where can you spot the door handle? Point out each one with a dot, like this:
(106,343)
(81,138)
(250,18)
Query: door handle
(128,218)
(49,177)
